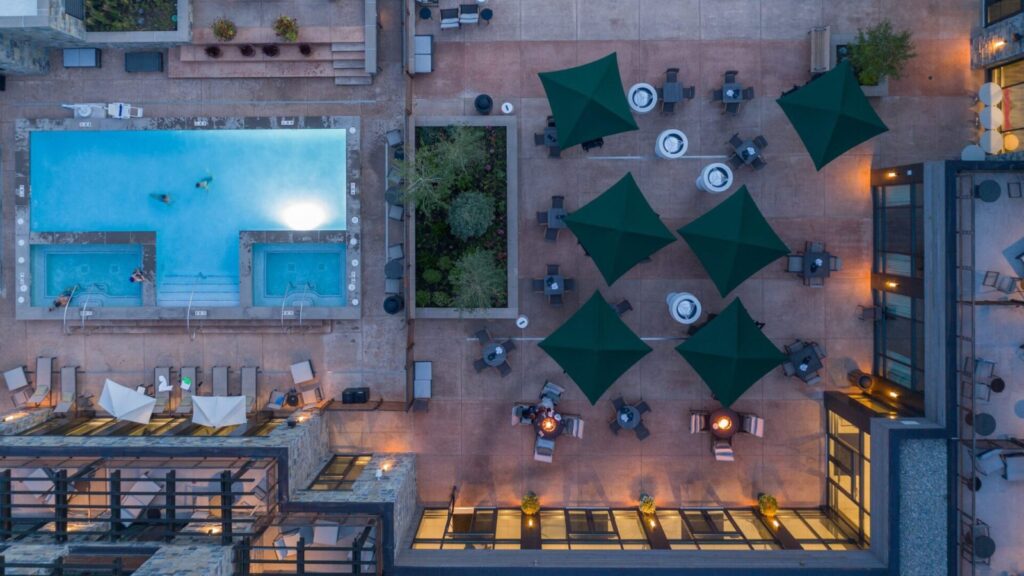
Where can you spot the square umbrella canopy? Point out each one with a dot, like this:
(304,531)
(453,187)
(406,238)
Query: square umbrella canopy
(731,353)
(595,347)
(588,101)
(831,114)
(218,411)
(733,241)
(124,403)
(619,229)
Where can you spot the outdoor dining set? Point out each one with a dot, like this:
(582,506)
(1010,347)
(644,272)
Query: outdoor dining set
(494,354)
(747,152)
(553,285)
(547,421)
(724,423)
(814,264)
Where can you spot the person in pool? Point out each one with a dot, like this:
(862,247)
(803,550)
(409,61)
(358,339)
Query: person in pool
(64,299)
(138,276)
(165,198)
(204,183)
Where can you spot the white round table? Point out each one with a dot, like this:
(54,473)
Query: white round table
(683,307)
(972,153)
(642,98)
(991,142)
(671,144)
(990,94)
(715,178)
(991,117)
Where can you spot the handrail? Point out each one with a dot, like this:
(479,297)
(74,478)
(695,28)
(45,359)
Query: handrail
(85,308)
(70,298)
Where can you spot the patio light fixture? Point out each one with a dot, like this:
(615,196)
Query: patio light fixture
(892,284)
(998,44)
(304,216)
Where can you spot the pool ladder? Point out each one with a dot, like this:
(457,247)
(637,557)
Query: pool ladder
(302,303)
(70,298)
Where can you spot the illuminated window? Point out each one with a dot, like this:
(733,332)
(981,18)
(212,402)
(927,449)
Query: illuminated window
(340,473)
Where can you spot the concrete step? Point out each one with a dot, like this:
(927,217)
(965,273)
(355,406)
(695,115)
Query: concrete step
(275,69)
(348,46)
(361,80)
(353,64)
(289,52)
(177,291)
(177,326)
(307,34)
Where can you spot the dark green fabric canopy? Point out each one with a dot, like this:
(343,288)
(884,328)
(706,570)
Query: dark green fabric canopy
(619,229)
(588,101)
(731,353)
(595,347)
(733,241)
(831,114)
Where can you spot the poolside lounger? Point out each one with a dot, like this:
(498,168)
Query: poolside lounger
(122,111)
(249,387)
(191,373)
(162,388)
(276,401)
(544,450)
(723,451)
(752,424)
(312,396)
(68,390)
(302,372)
(16,384)
(449,18)
(220,380)
(44,379)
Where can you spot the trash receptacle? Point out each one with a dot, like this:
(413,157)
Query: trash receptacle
(394,304)
(483,104)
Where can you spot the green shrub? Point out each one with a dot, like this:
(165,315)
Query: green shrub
(444,263)
(647,506)
(224,29)
(286,28)
(423,298)
(767,505)
(432,276)
(478,281)
(448,163)
(441,299)
(470,215)
(881,52)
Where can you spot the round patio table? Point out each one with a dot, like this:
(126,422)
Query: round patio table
(724,423)
(990,118)
(988,191)
(628,417)
(990,94)
(991,142)
(997,385)
(984,546)
(984,424)
(425,13)
(495,354)
(553,423)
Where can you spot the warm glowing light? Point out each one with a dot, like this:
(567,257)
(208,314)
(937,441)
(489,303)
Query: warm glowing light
(302,417)
(893,395)
(548,424)
(213,530)
(529,522)
(890,174)
(723,423)
(651,522)
(892,284)
(998,44)
(304,216)
(15,416)
(386,466)
(775,523)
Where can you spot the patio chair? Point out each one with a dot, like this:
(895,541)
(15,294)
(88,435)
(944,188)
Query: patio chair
(552,391)
(795,263)
(698,422)
(482,336)
(672,75)
(867,313)
(758,163)
(813,380)
(479,365)
(815,246)
(504,369)
(543,450)
(537,284)
(760,142)
(835,263)
(1014,190)
(642,407)
(396,212)
(735,161)
(735,141)
(509,345)
(551,234)
(730,76)
(191,374)
(796,346)
(788,368)
(615,426)
(518,411)
(249,387)
(552,269)
(449,18)
(558,202)
(312,395)
(44,380)
(591,144)
(396,251)
(641,432)
(619,403)
(162,388)
(622,307)
(1006,285)
(689,92)
(554,152)
(819,350)
(990,279)
(555,300)
(984,370)
(668,107)
(276,400)
(748,93)
(732,108)
(469,14)
(570,284)
(392,286)
(816,282)
(716,95)
(989,462)
(68,391)
(722,450)
(538,139)
(302,372)
(573,425)
(542,218)
(752,424)
(220,380)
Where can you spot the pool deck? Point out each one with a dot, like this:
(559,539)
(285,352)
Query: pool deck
(25,237)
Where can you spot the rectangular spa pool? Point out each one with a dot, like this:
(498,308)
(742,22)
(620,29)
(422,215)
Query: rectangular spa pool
(294,274)
(97,274)
(146,180)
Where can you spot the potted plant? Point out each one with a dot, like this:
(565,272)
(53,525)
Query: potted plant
(286,28)
(880,53)
(224,29)
(305,50)
(647,506)
(271,50)
(213,51)
(767,505)
(530,504)
(247,50)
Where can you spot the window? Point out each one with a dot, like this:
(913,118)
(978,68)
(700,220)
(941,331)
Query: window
(996,10)
(340,473)
(848,484)
(1011,78)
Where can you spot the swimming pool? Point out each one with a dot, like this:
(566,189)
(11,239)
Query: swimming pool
(294,274)
(117,181)
(98,274)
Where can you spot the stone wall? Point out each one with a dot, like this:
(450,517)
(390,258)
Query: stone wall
(924,507)
(22,56)
(32,554)
(996,44)
(23,420)
(188,561)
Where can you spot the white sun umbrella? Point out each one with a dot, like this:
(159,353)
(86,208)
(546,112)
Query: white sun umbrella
(125,403)
(218,411)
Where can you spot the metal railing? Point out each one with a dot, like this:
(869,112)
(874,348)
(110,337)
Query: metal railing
(62,567)
(362,557)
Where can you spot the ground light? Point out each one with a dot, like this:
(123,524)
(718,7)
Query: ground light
(304,216)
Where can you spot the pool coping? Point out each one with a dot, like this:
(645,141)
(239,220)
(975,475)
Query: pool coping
(25,238)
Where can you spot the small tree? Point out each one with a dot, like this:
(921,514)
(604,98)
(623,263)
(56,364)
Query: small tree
(881,52)
(422,186)
(647,506)
(286,28)
(767,505)
(477,280)
(440,166)
(530,504)
(224,29)
(470,214)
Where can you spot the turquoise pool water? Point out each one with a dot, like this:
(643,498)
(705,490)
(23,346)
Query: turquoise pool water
(100,271)
(261,180)
(290,273)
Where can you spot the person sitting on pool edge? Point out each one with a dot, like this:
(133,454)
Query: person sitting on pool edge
(64,299)
(138,276)
(204,183)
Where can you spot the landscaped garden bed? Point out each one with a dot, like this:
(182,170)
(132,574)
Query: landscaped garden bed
(131,15)
(462,184)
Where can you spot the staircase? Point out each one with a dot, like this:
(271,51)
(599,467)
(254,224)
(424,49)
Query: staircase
(205,292)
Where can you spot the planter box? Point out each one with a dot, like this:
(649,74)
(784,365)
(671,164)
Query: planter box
(839,46)
(511,309)
(148,38)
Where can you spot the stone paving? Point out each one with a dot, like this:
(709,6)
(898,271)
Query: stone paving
(465,438)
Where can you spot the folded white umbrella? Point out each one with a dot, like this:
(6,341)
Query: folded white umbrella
(218,411)
(125,403)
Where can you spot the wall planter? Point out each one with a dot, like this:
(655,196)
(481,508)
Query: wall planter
(434,249)
(163,23)
(841,50)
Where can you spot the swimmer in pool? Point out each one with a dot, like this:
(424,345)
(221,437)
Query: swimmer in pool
(165,198)
(138,276)
(64,299)
(204,184)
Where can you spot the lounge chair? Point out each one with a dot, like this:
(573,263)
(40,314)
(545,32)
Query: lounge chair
(144,62)
(752,424)
(44,380)
(469,14)
(698,422)
(190,374)
(220,380)
(795,263)
(449,18)
(68,391)
(313,395)
(249,387)
(276,400)
(162,387)
(122,111)
(573,426)
(722,450)
(544,450)
(17,385)
(552,391)
(302,372)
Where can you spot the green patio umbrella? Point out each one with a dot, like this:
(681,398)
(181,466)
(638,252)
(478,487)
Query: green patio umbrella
(619,229)
(831,114)
(588,101)
(733,241)
(595,347)
(730,353)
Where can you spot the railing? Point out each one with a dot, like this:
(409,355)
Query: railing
(362,557)
(61,567)
(75,8)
